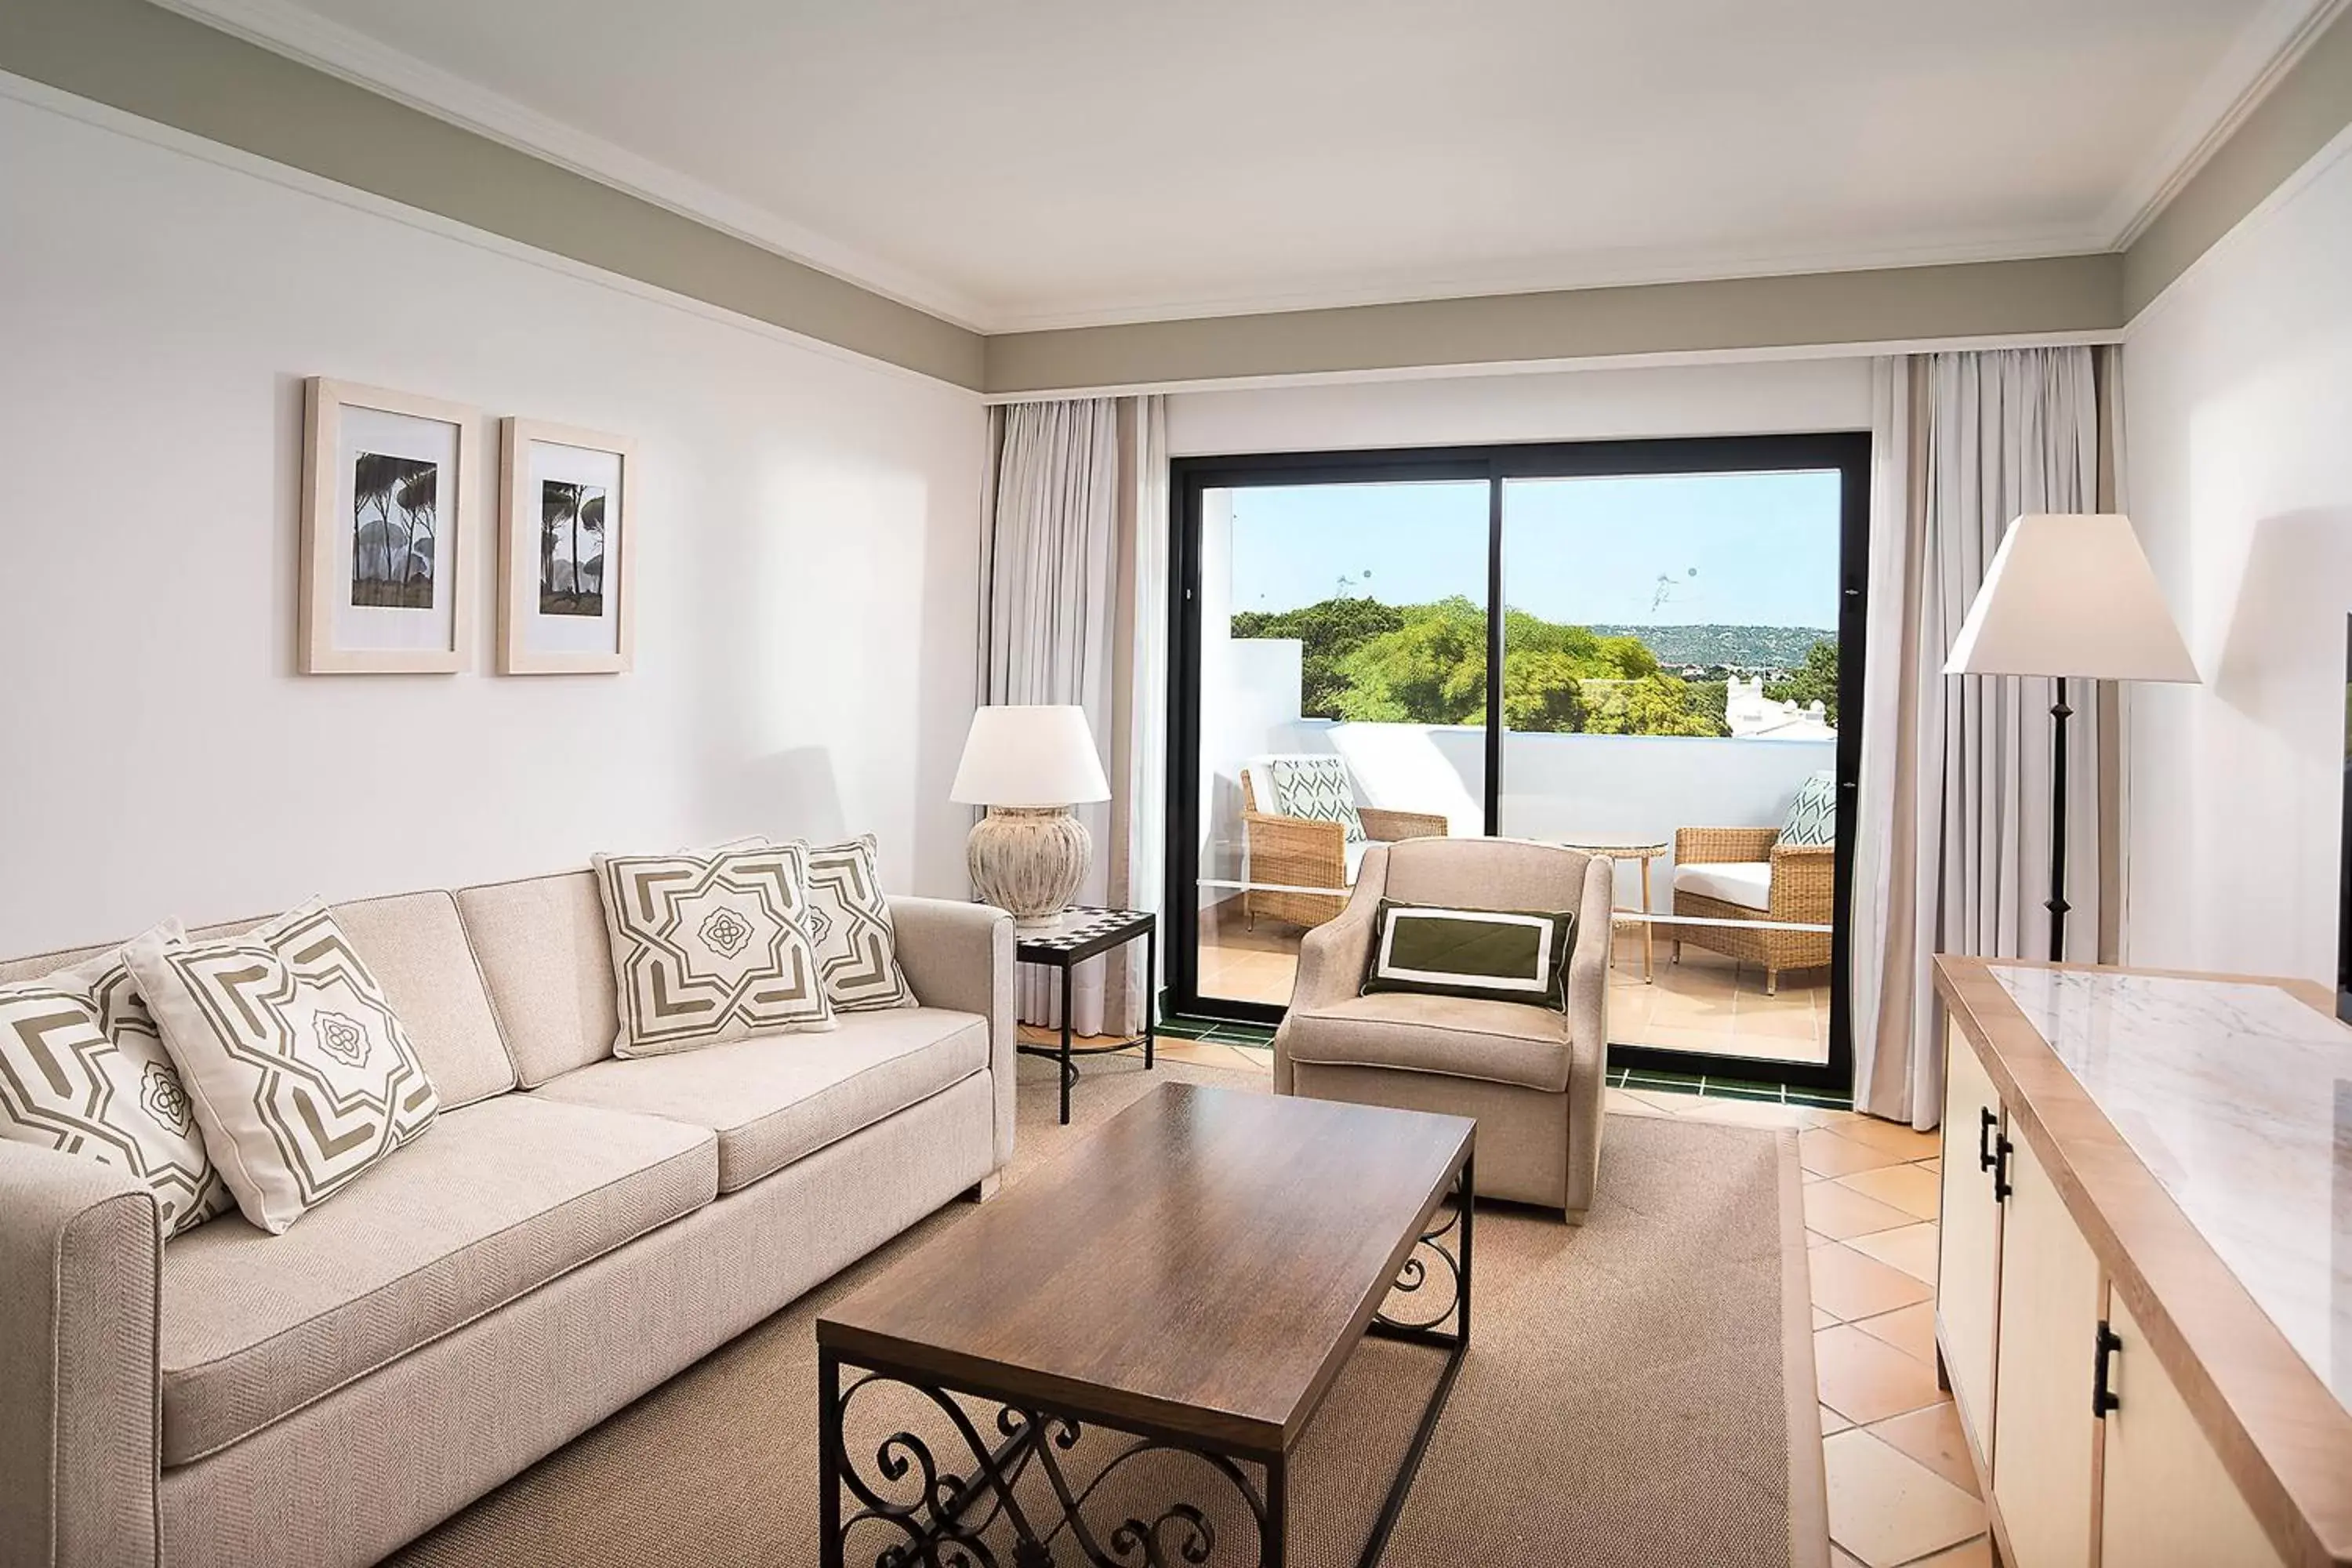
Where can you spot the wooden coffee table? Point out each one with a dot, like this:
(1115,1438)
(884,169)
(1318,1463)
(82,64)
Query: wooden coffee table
(1192,1277)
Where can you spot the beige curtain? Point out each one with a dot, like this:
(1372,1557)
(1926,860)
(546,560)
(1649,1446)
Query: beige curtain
(1073,609)
(1954,847)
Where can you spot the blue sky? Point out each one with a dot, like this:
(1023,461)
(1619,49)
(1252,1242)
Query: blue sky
(1671,550)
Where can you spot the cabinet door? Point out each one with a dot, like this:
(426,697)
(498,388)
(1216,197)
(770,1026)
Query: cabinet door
(2043,1430)
(1967,1267)
(2166,1502)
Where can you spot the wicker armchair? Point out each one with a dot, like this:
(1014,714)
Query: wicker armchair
(1298,852)
(1803,892)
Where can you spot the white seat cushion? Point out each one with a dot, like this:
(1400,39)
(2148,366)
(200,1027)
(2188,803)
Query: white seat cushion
(1354,853)
(1747,883)
(776,1099)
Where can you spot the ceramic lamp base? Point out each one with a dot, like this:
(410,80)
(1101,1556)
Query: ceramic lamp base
(1030,860)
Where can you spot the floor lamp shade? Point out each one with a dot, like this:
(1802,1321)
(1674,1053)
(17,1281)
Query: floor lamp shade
(1029,764)
(2068,595)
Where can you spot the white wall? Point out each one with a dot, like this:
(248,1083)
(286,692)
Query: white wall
(2237,403)
(1754,397)
(806,571)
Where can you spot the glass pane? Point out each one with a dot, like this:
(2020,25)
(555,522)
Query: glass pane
(1669,691)
(1343,648)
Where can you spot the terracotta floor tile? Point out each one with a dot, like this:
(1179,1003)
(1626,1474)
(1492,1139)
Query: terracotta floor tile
(1837,1211)
(1917,1193)
(1749,1113)
(1976,1553)
(1865,1379)
(1931,1435)
(1841,1558)
(1902,1141)
(1887,1507)
(1912,1249)
(1832,1153)
(1911,1329)
(1833,1422)
(1663,1100)
(1933,1167)
(1618,1103)
(1852,1286)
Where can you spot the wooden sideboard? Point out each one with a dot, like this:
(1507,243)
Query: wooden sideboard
(2144,1305)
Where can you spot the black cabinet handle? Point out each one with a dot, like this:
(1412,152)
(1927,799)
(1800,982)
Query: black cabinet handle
(1986,1123)
(2105,1345)
(2002,1149)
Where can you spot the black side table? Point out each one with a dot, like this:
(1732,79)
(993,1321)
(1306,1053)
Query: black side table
(1082,934)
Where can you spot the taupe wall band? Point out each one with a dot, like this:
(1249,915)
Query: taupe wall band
(164,66)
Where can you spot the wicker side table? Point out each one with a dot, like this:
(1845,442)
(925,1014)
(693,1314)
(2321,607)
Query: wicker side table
(1642,851)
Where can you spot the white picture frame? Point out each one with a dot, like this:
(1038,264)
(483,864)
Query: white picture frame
(388,479)
(567,550)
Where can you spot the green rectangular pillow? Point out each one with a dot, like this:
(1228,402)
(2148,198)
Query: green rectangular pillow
(1493,955)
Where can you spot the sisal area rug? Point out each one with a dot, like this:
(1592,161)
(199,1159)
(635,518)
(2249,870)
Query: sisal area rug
(1639,1391)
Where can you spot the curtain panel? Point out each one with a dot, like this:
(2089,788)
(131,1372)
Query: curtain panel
(1953,848)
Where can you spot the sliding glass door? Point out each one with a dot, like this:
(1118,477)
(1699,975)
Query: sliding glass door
(1640,649)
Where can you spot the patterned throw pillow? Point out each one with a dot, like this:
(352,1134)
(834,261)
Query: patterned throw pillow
(849,921)
(83,1071)
(1493,955)
(1813,815)
(711,946)
(297,1071)
(1316,788)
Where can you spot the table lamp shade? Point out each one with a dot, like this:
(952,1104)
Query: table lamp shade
(2071,595)
(1029,755)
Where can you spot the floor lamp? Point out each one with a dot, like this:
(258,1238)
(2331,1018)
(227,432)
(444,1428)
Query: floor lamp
(2071,597)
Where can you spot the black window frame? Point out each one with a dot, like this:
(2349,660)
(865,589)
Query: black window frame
(1190,478)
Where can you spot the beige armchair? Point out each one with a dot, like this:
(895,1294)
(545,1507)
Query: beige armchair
(1532,1077)
(1795,885)
(1300,852)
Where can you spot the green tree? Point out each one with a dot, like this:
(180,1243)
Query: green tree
(1430,670)
(1329,632)
(1816,681)
(1542,693)
(1652,705)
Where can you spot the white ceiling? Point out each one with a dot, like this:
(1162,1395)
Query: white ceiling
(1035,162)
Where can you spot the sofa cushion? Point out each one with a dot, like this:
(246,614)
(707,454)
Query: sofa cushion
(776,1099)
(502,1198)
(550,969)
(1500,1042)
(1747,883)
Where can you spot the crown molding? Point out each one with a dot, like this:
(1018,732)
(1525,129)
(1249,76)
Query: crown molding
(2264,51)
(314,40)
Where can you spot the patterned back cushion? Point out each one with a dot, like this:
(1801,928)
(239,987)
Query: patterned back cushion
(1493,955)
(711,946)
(1316,788)
(83,1071)
(298,1073)
(849,921)
(1813,815)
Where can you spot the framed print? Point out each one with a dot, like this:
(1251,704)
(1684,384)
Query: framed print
(567,550)
(386,479)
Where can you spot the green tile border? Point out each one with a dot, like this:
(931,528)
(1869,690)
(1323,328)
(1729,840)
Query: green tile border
(1712,1088)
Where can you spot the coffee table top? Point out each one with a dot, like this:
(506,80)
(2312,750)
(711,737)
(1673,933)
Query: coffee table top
(1198,1267)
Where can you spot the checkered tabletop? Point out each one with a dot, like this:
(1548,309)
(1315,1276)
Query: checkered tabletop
(1082,933)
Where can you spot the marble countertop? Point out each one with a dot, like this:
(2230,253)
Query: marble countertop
(2238,1097)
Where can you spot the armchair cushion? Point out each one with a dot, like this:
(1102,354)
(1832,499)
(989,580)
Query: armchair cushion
(1316,788)
(1458,1037)
(1500,955)
(1747,883)
(1813,815)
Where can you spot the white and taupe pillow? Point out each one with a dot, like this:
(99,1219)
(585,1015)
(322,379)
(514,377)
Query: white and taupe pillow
(1493,955)
(711,946)
(298,1073)
(1317,789)
(83,1071)
(849,921)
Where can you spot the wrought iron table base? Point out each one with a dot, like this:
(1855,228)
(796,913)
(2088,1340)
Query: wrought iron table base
(940,1507)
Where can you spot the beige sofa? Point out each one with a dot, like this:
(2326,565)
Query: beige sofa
(1532,1077)
(573,1230)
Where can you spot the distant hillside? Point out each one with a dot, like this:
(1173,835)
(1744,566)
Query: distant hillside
(1776,648)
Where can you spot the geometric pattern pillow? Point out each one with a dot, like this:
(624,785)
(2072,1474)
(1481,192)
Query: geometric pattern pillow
(711,946)
(297,1071)
(849,921)
(82,1071)
(1317,789)
(1813,815)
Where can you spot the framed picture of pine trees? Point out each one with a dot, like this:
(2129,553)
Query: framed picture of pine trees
(567,550)
(387,482)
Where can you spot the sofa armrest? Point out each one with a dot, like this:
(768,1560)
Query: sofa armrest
(80,1265)
(1588,1030)
(959,955)
(1333,956)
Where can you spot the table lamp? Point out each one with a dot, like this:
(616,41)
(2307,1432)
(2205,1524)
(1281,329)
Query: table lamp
(2068,595)
(1029,765)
